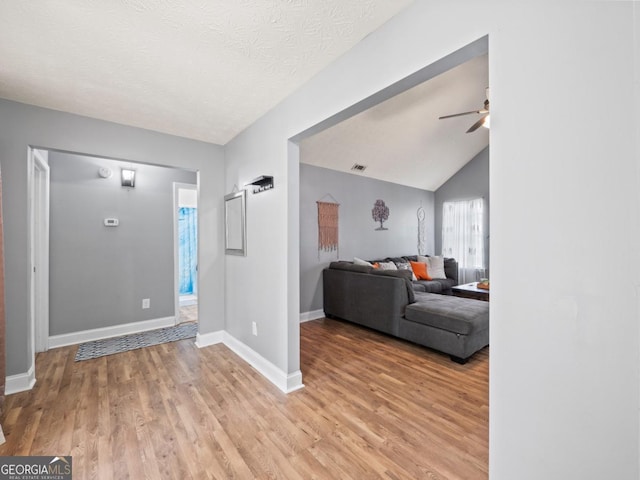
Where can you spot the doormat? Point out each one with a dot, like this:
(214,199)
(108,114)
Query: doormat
(109,346)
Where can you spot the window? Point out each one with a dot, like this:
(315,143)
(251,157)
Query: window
(463,237)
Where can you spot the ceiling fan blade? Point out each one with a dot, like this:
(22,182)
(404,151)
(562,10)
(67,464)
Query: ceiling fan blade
(476,125)
(479,112)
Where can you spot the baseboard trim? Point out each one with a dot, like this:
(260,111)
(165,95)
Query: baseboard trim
(286,382)
(312,315)
(75,338)
(20,382)
(208,339)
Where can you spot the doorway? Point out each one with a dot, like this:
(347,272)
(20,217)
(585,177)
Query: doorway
(186,251)
(39,251)
(73,223)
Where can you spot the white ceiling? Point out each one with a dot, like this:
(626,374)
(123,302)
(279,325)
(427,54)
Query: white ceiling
(401,140)
(201,69)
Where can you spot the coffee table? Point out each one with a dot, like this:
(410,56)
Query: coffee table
(471,290)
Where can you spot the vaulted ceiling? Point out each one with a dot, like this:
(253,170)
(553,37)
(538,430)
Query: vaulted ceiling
(401,140)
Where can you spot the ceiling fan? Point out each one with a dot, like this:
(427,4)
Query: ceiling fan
(484,120)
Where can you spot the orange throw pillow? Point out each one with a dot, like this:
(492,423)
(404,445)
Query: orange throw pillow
(376,265)
(420,270)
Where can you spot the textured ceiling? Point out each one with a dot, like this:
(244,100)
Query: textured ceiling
(202,69)
(401,140)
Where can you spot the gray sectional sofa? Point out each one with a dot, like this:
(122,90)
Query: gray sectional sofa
(388,301)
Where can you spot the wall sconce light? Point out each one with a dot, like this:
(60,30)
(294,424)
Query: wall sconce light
(128,178)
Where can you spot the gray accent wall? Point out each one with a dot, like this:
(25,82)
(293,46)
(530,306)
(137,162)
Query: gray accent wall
(98,274)
(22,126)
(358,236)
(471,181)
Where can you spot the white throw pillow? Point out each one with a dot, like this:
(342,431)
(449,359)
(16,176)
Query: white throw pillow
(359,261)
(435,267)
(387,266)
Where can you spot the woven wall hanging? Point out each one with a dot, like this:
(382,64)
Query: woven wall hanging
(327,226)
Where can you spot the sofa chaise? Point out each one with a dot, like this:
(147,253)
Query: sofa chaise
(387,301)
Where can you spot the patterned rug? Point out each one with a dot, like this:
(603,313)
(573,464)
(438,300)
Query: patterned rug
(109,346)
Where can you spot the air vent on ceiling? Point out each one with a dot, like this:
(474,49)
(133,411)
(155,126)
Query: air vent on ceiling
(358,168)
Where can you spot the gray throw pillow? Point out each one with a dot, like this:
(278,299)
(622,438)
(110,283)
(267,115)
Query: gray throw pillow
(406,266)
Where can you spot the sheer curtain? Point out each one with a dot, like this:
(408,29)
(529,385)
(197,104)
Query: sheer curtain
(463,237)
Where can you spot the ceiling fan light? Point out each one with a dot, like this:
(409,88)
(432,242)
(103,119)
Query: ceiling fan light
(487,121)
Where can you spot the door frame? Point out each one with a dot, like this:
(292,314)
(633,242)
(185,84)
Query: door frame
(177,186)
(38,186)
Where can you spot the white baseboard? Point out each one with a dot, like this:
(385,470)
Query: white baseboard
(207,339)
(286,382)
(109,332)
(21,382)
(312,315)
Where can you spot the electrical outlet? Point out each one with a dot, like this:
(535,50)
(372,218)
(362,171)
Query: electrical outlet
(146,303)
(254,328)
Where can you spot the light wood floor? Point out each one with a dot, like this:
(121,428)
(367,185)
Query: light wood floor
(373,407)
(189,313)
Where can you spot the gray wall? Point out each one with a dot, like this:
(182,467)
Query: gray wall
(357,230)
(471,181)
(99,275)
(22,126)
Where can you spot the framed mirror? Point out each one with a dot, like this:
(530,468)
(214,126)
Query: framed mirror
(235,223)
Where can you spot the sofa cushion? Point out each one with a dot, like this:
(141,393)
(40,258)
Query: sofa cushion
(437,286)
(393,273)
(451,269)
(396,260)
(429,286)
(350,267)
(405,274)
(454,314)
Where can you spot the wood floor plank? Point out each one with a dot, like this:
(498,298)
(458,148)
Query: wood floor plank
(374,407)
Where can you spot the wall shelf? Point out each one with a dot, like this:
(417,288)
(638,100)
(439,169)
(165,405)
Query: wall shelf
(262,183)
